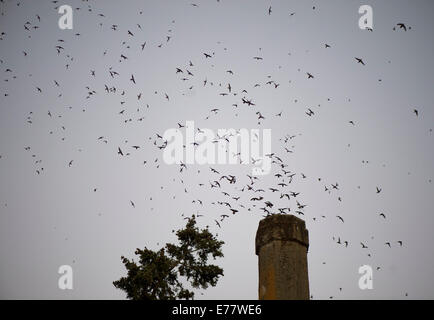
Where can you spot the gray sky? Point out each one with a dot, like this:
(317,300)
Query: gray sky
(55,218)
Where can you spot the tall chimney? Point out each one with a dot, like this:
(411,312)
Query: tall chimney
(282,242)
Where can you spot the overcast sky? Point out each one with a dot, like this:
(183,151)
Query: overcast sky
(50,214)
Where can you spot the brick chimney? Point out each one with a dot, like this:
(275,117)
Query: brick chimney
(282,242)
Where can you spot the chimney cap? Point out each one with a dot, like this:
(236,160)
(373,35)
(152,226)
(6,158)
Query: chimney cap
(281,227)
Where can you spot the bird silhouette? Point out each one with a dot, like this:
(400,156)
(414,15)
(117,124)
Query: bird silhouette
(402,26)
(359,60)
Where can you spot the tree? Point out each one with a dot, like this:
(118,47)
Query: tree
(157,275)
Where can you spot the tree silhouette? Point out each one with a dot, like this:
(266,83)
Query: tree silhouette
(157,275)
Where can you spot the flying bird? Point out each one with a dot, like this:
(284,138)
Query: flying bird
(359,60)
(402,26)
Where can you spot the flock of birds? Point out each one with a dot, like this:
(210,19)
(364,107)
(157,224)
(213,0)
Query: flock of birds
(237,194)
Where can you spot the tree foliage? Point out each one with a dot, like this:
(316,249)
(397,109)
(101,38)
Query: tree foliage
(158,274)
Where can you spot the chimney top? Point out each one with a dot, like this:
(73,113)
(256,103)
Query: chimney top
(282,227)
